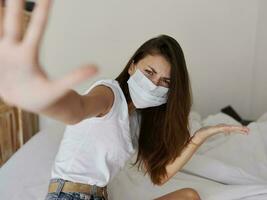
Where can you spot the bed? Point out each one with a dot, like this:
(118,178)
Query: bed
(224,168)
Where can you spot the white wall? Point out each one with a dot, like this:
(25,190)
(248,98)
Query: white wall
(218,38)
(259,84)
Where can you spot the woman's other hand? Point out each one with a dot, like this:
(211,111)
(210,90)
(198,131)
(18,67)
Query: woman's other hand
(205,132)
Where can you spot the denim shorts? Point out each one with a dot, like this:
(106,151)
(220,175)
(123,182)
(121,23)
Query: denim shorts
(59,195)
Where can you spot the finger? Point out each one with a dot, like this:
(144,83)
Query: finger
(38,23)
(76,77)
(222,126)
(230,129)
(13,19)
(1,18)
(227,133)
(239,128)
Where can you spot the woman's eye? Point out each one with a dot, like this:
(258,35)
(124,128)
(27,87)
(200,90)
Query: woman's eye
(148,72)
(167,83)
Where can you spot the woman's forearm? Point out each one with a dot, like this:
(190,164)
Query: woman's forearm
(185,156)
(196,141)
(68,109)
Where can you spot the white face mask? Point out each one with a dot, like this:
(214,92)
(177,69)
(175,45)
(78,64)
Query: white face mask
(144,93)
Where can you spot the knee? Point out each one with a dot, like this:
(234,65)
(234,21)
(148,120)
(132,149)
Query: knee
(191,194)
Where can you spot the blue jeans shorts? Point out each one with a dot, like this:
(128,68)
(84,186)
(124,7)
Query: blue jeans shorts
(59,195)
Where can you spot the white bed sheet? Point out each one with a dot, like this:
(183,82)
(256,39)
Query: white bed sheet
(242,162)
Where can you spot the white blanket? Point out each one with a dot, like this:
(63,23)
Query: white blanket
(224,168)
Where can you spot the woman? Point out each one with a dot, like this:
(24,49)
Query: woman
(145,109)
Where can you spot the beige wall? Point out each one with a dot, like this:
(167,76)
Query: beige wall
(219,38)
(259,83)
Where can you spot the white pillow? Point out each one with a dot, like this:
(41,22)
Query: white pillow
(263,118)
(218,139)
(194,122)
(194,115)
(219,118)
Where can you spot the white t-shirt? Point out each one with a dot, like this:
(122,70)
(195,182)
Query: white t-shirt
(95,149)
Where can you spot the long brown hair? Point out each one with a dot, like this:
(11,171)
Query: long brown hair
(164,130)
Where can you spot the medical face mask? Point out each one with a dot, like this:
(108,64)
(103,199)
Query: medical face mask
(144,93)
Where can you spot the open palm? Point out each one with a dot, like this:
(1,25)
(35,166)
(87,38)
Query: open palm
(205,132)
(23,82)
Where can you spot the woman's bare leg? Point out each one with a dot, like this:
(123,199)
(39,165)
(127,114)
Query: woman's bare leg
(183,194)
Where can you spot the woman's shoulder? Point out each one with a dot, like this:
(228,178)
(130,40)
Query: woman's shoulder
(111,83)
(119,104)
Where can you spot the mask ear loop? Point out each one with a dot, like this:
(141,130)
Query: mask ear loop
(135,68)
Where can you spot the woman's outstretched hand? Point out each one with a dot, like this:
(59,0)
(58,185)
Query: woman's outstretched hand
(204,133)
(23,82)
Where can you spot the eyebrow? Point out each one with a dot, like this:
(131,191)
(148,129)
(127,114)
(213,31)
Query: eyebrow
(166,78)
